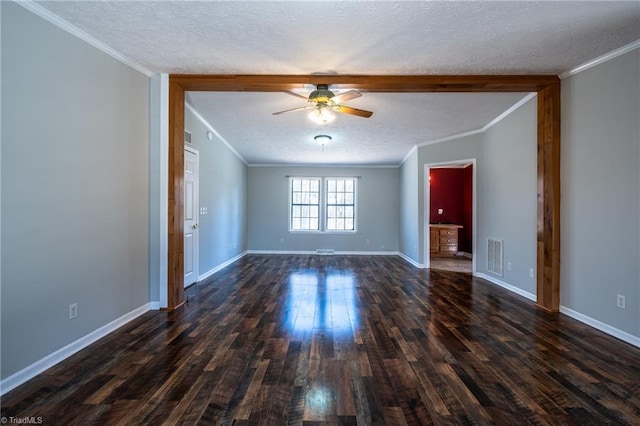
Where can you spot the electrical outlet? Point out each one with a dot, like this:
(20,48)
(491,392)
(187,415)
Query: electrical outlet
(367,241)
(621,302)
(73,310)
(382,247)
(440,211)
(281,240)
(532,273)
(508,266)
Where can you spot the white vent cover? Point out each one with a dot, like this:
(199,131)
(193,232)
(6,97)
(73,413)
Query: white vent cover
(494,256)
(325,251)
(187,137)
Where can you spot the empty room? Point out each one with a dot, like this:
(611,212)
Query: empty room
(314,212)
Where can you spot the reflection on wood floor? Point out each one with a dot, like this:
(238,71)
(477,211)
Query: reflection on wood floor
(276,340)
(455,264)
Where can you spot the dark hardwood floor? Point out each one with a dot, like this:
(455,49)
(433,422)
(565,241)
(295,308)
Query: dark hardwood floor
(366,340)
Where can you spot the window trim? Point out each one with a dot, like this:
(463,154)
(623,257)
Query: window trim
(323,205)
(326,205)
(290,207)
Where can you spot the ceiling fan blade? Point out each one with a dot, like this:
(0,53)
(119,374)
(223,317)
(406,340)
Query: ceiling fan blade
(346,96)
(353,111)
(297,95)
(294,109)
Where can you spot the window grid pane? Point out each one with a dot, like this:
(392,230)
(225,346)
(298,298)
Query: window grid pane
(341,204)
(305,205)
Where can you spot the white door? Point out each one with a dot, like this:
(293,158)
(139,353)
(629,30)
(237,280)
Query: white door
(191,215)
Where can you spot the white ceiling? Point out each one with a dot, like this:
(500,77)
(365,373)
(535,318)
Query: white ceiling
(399,122)
(349,37)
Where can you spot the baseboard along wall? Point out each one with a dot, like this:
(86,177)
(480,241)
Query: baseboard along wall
(61,354)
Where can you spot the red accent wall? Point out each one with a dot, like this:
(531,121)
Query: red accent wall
(451,189)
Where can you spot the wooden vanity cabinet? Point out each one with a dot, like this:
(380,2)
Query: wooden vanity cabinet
(443,239)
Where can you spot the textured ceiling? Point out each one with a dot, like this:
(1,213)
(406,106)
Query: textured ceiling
(400,121)
(286,37)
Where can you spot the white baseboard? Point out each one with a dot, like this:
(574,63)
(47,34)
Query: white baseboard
(281,252)
(155,306)
(411,261)
(369,253)
(606,328)
(509,287)
(308,252)
(222,266)
(61,354)
(464,254)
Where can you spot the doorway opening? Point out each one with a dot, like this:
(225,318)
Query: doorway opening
(547,88)
(449,216)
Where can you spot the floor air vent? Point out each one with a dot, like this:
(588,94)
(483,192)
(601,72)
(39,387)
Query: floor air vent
(494,256)
(325,251)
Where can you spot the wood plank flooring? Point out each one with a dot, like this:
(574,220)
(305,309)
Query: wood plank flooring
(367,340)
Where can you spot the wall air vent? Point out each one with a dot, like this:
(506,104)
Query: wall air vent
(494,256)
(187,137)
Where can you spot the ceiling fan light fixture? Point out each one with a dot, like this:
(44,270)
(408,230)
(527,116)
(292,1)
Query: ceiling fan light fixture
(321,115)
(322,139)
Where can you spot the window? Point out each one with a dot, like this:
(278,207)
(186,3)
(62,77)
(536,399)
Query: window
(305,204)
(337,197)
(341,204)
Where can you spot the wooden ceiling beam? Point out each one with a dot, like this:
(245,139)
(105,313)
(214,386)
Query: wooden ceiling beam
(548,207)
(379,83)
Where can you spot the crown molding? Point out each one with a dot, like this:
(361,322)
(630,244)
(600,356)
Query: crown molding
(215,132)
(452,137)
(406,157)
(54,19)
(601,59)
(486,127)
(513,108)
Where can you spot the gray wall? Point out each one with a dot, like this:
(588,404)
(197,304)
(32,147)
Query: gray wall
(409,207)
(467,147)
(223,191)
(600,192)
(509,195)
(506,173)
(74,188)
(378,210)
(155,176)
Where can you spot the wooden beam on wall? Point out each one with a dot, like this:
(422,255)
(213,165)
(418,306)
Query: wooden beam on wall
(548,257)
(547,87)
(175,243)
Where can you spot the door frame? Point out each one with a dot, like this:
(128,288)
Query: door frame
(196,265)
(547,88)
(426,219)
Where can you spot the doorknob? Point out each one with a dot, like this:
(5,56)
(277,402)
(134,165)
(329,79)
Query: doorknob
(196,226)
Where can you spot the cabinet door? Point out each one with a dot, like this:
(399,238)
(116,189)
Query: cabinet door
(434,239)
